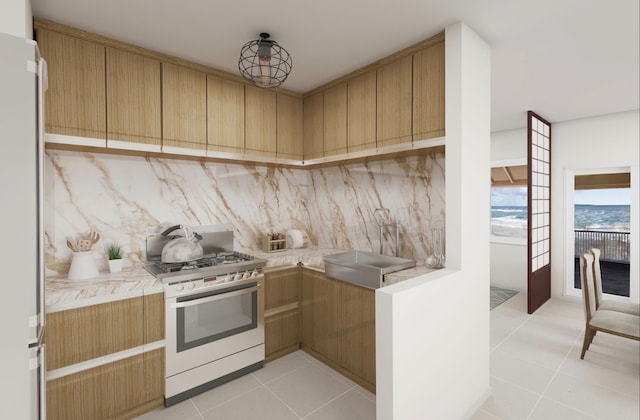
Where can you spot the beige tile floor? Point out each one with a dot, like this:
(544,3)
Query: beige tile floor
(536,373)
(295,387)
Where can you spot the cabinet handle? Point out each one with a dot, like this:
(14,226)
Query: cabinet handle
(213,298)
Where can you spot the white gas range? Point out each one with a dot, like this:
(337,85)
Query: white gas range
(214,313)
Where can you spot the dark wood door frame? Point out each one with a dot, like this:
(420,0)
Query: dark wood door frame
(539,211)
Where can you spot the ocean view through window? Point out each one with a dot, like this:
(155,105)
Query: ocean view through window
(509,212)
(602,219)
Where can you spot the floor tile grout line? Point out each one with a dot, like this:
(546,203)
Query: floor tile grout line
(633,396)
(490,414)
(197,409)
(283,375)
(332,400)
(235,397)
(529,316)
(285,404)
(553,377)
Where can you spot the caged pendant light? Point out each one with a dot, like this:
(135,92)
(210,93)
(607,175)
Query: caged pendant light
(264,63)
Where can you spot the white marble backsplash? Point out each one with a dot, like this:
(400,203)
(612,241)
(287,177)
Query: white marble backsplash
(120,196)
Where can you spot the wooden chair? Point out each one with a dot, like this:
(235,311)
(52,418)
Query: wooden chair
(610,322)
(608,304)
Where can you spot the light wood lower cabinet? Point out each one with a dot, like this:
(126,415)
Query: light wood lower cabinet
(153,318)
(117,390)
(78,335)
(338,326)
(282,312)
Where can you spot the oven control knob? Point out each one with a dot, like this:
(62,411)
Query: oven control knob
(191,285)
(246,275)
(237,277)
(254,273)
(179,288)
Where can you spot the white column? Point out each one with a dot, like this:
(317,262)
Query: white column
(432,332)
(16,19)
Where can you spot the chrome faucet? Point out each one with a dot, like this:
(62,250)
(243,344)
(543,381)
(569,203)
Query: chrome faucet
(385,223)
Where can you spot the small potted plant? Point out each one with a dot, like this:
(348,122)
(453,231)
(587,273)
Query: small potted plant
(114,255)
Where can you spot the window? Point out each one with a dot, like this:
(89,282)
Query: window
(509,212)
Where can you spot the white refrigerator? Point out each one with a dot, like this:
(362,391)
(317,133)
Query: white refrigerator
(22,83)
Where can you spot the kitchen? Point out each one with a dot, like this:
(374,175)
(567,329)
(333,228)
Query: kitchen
(105,192)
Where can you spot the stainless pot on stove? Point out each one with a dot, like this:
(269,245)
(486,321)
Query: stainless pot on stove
(182,248)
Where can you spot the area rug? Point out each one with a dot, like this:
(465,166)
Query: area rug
(499,296)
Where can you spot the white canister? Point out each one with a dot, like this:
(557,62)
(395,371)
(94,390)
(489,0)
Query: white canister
(297,238)
(83,266)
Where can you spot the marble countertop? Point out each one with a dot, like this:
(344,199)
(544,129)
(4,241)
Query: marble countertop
(62,293)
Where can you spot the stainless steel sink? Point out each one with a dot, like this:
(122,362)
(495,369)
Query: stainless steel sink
(363,268)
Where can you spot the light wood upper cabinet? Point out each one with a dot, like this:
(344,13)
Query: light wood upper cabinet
(335,120)
(260,121)
(313,126)
(428,92)
(75,99)
(361,112)
(394,110)
(184,107)
(289,126)
(225,115)
(133,98)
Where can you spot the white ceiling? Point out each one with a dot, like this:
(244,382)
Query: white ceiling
(564,59)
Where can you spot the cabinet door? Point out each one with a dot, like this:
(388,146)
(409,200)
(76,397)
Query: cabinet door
(99,393)
(225,115)
(78,335)
(133,99)
(358,331)
(154,368)
(260,121)
(153,318)
(313,126)
(282,287)
(428,93)
(335,120)
(289,127)
(361,115)
(394,102)
(282,312)
(320,302)
(75,99)
(184,107)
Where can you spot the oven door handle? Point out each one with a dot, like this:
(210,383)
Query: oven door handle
(213,298)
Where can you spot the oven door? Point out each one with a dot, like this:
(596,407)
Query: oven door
(207,326)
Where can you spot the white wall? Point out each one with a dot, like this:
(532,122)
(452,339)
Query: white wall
(605,141)
(591,143)
(509,255)
(509,145)
(432,332)
(509,265)
(16,18)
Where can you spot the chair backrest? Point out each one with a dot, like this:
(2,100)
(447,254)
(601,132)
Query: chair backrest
(597,275)
(586,280)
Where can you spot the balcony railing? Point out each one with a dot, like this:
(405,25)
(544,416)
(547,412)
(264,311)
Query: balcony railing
(614,246)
